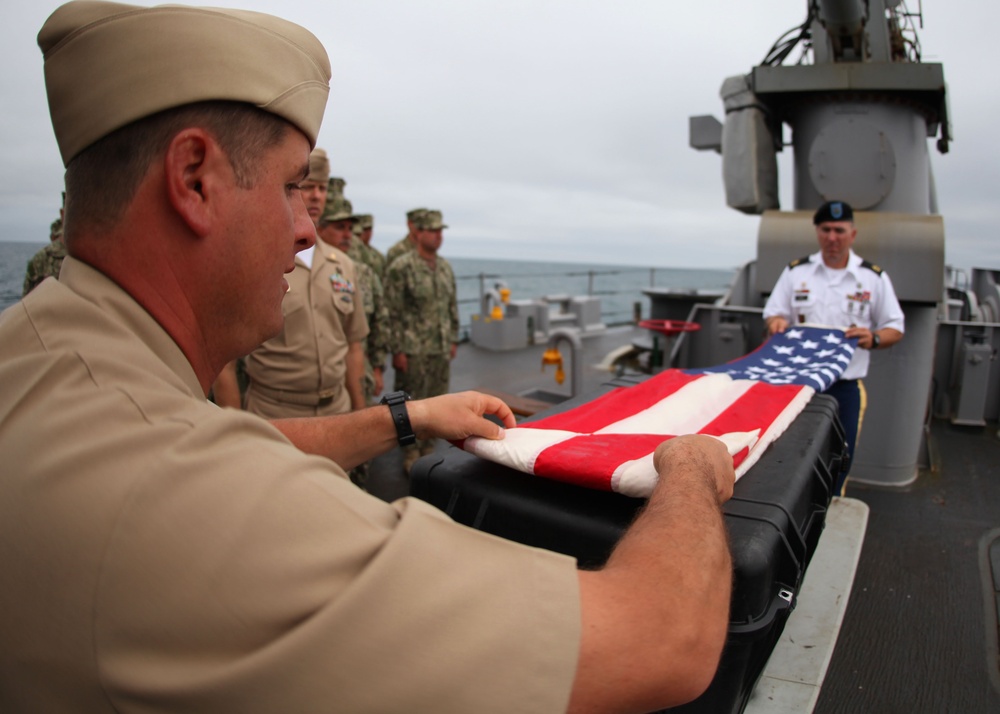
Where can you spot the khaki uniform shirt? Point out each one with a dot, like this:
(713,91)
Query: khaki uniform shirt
(160,554)
(304,367)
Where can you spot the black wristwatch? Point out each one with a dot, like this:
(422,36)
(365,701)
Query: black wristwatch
(396,401)
(876,340)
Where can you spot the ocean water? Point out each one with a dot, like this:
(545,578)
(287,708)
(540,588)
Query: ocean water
(14,259)
(619,288)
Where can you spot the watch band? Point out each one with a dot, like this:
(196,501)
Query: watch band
(876,340)
(396,401)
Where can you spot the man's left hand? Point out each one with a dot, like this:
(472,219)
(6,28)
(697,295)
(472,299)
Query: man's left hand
(864,335)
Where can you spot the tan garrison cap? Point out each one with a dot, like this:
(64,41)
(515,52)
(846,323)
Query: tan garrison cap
(109,64)
(319,167)
(431,221)
(336,210)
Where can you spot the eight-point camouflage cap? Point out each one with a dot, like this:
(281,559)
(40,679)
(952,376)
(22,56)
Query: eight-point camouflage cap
(335,189)
(336,210)
(431,221)
(365,220)
(109,64)
(414,213)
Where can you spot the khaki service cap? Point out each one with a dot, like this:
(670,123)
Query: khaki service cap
(319,167)
(109,64)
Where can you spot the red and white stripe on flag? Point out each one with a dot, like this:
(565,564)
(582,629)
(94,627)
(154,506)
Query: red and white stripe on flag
(608,443)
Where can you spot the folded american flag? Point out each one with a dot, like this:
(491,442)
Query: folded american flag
(608,443)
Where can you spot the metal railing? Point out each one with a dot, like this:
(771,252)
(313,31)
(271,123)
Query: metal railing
(620,289)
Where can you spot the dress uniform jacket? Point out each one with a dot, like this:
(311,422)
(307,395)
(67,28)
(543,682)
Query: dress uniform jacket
(862,295)
(301,372)
(160,554)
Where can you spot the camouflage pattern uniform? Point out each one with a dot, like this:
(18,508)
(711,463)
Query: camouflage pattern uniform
(361,251)
(335,189)
(376,344)
(47,261)
(423,319)
(401,247)
(404,245)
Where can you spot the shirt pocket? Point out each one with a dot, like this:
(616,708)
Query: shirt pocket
(803,306)
(342,291)
(857,307)
(423,294)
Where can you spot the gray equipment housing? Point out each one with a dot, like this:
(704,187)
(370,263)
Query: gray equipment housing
(861,116)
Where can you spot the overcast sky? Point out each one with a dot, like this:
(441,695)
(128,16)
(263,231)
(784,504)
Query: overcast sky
(546,129)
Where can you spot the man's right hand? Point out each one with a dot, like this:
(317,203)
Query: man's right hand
(698,454)
(656,615)
(776,324)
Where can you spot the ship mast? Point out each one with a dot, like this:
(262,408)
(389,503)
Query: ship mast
(861,107)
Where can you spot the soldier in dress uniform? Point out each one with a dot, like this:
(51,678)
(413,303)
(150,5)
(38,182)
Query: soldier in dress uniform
(836,287)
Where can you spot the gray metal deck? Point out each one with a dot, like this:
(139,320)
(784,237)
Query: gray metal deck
(918,635)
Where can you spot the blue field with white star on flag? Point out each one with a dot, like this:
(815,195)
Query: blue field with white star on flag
(806,355)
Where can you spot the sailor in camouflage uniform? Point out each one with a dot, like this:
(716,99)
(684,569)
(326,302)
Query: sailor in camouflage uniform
(423,318)
(48,260)
(361,247)
(408,242)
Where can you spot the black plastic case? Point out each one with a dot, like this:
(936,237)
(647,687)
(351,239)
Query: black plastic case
(774,522)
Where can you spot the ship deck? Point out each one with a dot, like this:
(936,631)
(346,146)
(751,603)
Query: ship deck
(920,631)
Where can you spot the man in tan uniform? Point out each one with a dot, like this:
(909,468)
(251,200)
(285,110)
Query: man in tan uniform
(166,555)
(336,229)
(315,367)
